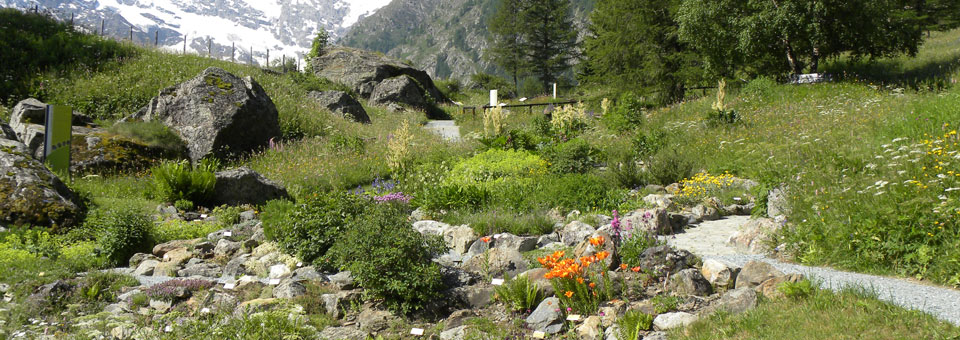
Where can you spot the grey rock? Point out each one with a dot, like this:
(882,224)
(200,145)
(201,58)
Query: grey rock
(456,277)
(655,221)
(753,236)
(161,306)
(665,259)
(656,336)
(720,274)
(589,329)
(474,297)
(308,273)
(399,90)
(457,318)
(4,287)
(430,228)
(459,238)
(138,258)
(673,320)
(335,303)
(660,201)
(342,279)
(226,248)
(363,70)
(371,320)
(245,186)
(146,268)
(341,104)
(705,213)
(456,333)
(735,302)
(6,132)
(279,271)
(50,294)
(289,289)
(32,195)
(498,262)
(236,266)
(216,113)
(223,302)
(575,232)
(201,269)
(514,242)
(547,239)
(343,333)
(115,309)
(755,273)
(546,318)
(248,216)
(126,296)
(777,203)
(689,282)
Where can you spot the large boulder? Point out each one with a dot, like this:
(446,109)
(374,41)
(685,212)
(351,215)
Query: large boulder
(403,90)
(341,104)
(245,186)
(29,193)
(754,236)
(216,113)
(364,70)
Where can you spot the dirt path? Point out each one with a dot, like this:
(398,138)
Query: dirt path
(709,240)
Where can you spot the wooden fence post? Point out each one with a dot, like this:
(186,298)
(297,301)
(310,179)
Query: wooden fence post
(131,33)
(209,48)
(156,37)
(267,65)
(184,44)
(101,27)
(233,51)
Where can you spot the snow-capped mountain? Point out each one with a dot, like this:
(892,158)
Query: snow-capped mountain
(284,27)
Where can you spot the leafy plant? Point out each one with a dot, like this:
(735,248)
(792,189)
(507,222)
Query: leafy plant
(634,243)
(668,167)
(103,286)
(183,205)
(124,231)
(170,230)
(633,323)
(797,290)
(626,115)
(398,148)
(663,303)
(308,229)
(175,289)
(521,294)
(574,156)
(390,260)
(174,181)
(581,284)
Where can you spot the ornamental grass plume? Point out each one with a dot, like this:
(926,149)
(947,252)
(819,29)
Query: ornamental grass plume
(494,121)
(398,148)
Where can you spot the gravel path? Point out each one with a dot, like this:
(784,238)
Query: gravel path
(709,240)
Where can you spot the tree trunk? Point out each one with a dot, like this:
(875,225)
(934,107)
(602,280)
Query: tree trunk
(792,58)
(815,60)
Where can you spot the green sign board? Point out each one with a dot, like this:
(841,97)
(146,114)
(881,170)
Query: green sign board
(56,150)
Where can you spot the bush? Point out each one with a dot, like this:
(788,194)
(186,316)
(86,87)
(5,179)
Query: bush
(633,323)
(492,82)
(759,87)
(451,88)
(574,156)
(626,115)
(172,230)
(174,181)
(449,197)
(663,304)
(308,229)
(495,166)
(624,169)
(634,243)
(511,140)
(504,220)
(797,290)
(103,286)
(124,231)
(574,191)
(531,87)
(668,167)
(520,294)
(389,259)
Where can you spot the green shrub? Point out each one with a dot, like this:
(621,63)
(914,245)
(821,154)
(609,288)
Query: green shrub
(183,205)
(520,294)
(574,191)
(4,114)
(663,303)
(103,286)
(174,181)
(451,88)
(124,231)
(668,167)
(633,323)
(531,87)
(504,220)
(624,170)
(389,259)
(759,87)
(491,82)
(449,197)
(227,215)
(513,139)
(634,243)
(649,142)
(153,134)
(308,229)
(574,156)
(493,166)
(171,230)
(797,290)
(626,115)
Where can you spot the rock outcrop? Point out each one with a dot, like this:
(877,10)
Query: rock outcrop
(341,104)
(216,113)
(245,186)
(364,71)
(29,193)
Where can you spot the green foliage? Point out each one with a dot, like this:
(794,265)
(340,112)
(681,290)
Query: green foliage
(171,230)
(520,294)
(319,44)
(797,290)
(759,87)
(506,40)
(623,169)
(183,205)
(103,286)
(447,197)
(574,156)
(152,134)
(228,215)
(513,139)
(308,229)
(503,220)
(635,243)
(668,167)
(275,324)
(175,181)
(496,166)
(575,191)
(548,37)
(626,115)
(633,323)
(776,38)
(664,303)
(491,82)
(451,88)
(723,117)
(390,260)
(123,231)
(634,44)
(36,44)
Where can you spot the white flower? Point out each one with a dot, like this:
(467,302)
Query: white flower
(941,176)
(879,193)
(871,166)
(901,172)
(942,197)
(881,184)
(900,139)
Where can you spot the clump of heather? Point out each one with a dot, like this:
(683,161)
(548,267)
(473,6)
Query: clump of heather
(177,289)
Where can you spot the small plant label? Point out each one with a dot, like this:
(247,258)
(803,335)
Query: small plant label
(203,215)
(737,199)
(205,311)
(227,233)
(299,264)
(416,331)
(539,335)
(573,317)
(497,282)
(168,329)
(274,282)
(229,286)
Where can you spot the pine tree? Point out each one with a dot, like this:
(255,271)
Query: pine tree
(506,41)
(549,37)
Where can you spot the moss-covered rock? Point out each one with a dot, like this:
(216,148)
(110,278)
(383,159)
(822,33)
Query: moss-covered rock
(101,151)
(30,194)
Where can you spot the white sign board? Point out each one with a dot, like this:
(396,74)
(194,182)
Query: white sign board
(493,98)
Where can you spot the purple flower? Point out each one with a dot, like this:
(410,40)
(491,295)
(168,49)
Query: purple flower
(393,197)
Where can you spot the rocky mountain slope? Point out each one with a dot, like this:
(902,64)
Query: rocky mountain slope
(285,27)
(444,37)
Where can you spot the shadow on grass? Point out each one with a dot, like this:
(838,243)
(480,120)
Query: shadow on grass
(935,74)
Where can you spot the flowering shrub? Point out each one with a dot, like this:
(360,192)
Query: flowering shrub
(569,120)
(581,284)
(174,289)
(632,242)
(494,166)
(702,186)
(519,293)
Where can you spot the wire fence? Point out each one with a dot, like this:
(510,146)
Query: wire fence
(151,38)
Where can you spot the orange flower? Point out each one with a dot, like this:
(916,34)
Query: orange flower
(568,294)
(485,239)
(558,254)
(597,241)
(623,266)
(635,269)
(580,280)
(602,255)
(593,285)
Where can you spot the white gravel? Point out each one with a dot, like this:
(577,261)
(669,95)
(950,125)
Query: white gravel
(708,240)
